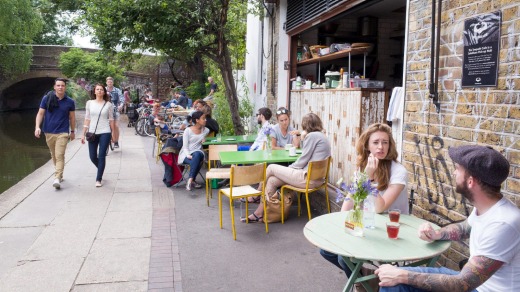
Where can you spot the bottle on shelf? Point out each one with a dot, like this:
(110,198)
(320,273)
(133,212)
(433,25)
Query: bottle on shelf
(298,83)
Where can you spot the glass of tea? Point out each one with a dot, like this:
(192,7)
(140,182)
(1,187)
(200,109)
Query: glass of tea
(394,215)
(392,229)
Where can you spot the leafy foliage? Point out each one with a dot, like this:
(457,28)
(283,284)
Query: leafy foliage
(196,90)
(180,29)
(58,26)
(223,116)
(77,93)
(77,63)
(20,23)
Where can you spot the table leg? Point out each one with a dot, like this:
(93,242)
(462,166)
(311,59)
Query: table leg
(355,266)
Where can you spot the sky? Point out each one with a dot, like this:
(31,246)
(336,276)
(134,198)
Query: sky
(83,42)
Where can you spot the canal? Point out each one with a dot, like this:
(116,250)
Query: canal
(20,152)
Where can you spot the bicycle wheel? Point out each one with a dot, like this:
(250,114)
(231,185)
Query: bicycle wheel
(149,130)
(139,126)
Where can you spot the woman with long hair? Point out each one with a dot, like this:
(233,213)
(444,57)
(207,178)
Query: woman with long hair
(99,119)
(316,147)
(191,152)
(377,156)
(283,132)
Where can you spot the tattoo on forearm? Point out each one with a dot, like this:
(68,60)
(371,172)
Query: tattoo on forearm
(474,273)
(457,231)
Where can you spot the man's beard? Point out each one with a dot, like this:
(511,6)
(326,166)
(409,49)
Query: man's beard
(464,190)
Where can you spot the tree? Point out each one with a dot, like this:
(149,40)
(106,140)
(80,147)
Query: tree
(181,29)
(58,26)
(77,63)
(20,23)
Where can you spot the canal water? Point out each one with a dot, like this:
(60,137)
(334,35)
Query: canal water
(20,152)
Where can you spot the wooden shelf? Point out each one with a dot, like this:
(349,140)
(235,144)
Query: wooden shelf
(337,55)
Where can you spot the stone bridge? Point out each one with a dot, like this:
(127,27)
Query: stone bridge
(26,90)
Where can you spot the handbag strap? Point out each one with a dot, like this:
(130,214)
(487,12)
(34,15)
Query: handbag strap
(99,116)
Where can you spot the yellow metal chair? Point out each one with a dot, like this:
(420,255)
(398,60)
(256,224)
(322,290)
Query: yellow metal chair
(216,173)
(159,143)
(241,177)
(317,170)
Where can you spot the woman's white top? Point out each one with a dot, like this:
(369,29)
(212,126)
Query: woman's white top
(191,142)
(92,113)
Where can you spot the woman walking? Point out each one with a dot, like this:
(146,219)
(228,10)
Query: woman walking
(99,120)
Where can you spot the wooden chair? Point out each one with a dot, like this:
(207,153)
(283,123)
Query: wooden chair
(216,173)
(317,170)
(241,177)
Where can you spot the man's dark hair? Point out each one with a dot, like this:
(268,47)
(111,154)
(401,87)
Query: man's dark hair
(266,112)
(61,79)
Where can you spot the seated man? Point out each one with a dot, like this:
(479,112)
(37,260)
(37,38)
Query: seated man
(493,229)
(263,116)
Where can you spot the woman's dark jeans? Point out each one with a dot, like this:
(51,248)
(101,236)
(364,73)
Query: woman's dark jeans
(197,158)
(99,158)
(336,260)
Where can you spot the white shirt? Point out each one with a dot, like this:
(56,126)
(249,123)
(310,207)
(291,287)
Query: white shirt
(92,109)
(496,235)
(261,138)
(399,176)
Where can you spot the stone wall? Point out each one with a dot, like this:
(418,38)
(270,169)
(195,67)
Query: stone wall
(486,116)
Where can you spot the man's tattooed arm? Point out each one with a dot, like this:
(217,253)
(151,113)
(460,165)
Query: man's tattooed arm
(473,274)
(456,231)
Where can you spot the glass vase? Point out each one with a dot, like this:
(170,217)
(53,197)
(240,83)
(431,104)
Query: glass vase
(268,148)
(354,220)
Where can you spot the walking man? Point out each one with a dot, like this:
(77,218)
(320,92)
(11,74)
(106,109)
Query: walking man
(493,229)
(118,100)
(57,112)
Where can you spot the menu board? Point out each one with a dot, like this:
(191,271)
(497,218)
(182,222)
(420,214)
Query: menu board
(481,50)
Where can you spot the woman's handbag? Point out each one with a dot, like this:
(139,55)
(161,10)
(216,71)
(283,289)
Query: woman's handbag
(274,207)
(89,136)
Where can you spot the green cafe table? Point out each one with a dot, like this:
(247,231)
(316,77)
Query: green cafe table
(226,140)
(259,156)
(328,232)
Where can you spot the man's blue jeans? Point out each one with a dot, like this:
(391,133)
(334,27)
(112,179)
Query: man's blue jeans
(195,163)
(99,158)
(406,288)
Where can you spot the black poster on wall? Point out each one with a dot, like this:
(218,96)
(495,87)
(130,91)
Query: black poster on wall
(481,50)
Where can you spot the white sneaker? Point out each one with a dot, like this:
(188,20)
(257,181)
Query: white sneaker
(56,183)
(98,184)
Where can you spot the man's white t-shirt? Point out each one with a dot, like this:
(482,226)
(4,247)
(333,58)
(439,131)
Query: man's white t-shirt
(496,235)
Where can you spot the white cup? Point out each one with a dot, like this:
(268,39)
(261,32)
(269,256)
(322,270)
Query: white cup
(308,84)
(288,146)
(292,151)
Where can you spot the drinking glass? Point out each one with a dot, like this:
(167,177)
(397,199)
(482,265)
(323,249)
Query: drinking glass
(392,229)
(219,137)
(394,215)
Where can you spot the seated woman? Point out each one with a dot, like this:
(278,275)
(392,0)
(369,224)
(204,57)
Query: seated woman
(283,132)
(377,155)
(211,123)
(191,152)
(316,147)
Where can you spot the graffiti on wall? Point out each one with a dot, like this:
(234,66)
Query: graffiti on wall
(439,184)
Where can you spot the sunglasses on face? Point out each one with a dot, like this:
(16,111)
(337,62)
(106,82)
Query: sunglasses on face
(283,111)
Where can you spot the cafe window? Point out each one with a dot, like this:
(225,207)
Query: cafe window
(375,27)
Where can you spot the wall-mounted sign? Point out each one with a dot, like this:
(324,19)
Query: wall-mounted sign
(481,50)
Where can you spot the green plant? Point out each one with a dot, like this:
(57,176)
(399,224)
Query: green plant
(223,116)
(196,90)
(78,93)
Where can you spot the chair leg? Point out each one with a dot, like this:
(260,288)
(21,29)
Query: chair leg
(308,205)
(282,204)
(327,197)
(207,192)
(265,212)
(220,208)
(299,195)
(232,219)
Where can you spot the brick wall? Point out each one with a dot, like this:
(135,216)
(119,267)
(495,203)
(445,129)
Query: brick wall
(486,116)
